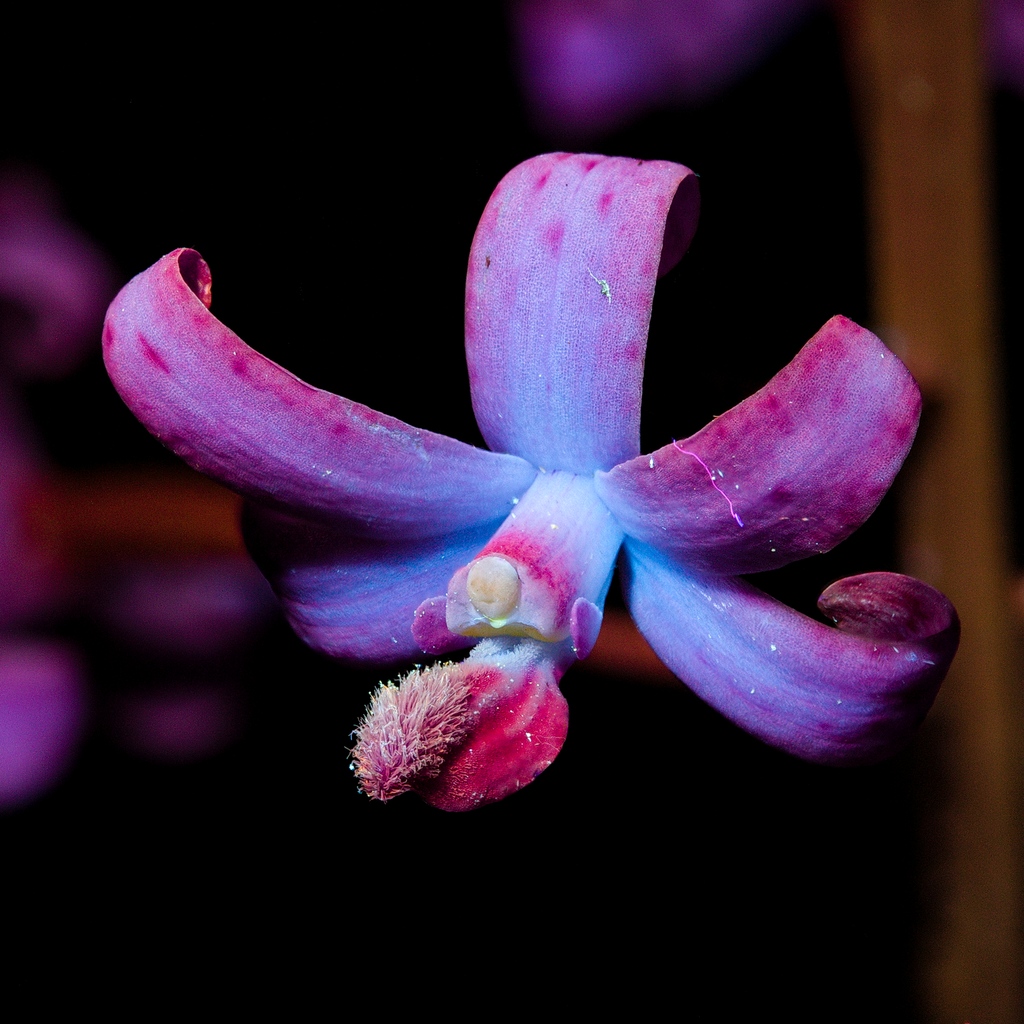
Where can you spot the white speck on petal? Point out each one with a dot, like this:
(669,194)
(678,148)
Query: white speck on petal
(651,463)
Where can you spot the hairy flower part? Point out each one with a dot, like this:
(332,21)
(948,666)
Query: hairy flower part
(384,542)
(408,729)
(468,733)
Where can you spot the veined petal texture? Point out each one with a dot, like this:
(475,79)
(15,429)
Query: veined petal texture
(787,473)
(354,598)
(847,695)
(558,302)
(242,419)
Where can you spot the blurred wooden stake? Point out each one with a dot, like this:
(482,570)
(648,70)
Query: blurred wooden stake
(916,68)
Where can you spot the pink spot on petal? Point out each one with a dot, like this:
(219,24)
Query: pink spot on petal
(553,235)
(152,355)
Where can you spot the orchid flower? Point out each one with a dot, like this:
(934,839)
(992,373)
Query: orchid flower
(385,543)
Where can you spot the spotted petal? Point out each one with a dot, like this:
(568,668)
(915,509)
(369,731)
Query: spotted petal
(787,473)
(847,695)
(242,419)
(558,301)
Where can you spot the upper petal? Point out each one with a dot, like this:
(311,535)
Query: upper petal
(242,419)
(558,301)
(789,472)
(849,695)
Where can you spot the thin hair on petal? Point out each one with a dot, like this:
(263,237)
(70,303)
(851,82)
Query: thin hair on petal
(407,729)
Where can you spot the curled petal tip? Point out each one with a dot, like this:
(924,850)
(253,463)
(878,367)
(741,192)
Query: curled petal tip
(195,272)
(558,300)
(889,606)
(840,696)
(239,417)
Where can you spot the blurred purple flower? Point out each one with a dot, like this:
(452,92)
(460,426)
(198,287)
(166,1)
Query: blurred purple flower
(178,722)
(1005,43)
(43,713)
(53,285)
(384,542)
(188,620)
(54,282)
(589,66)
(195,608)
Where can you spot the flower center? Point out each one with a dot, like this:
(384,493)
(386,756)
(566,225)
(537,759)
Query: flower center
(493,587)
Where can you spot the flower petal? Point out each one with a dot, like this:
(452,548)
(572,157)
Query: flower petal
(467,734)
(242,419)
(787,473)
(558,301)
(354,598)
(850,695)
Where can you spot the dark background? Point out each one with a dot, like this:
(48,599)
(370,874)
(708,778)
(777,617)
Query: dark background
(665,855)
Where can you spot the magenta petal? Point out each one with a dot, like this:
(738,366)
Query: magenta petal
(354,598)
(466,734)
(242,419)
(847,695)
(789,472)
(558,301)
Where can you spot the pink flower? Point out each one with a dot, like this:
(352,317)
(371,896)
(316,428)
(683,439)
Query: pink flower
(385,542)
